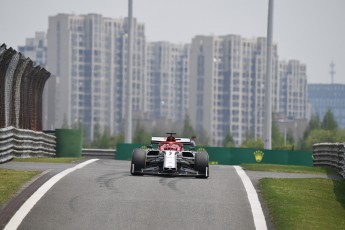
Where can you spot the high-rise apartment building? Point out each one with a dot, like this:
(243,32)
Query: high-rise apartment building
(219,81)
(88,55)
(167,81)
(227,86)
(325,97)
(36,48)
(293,102)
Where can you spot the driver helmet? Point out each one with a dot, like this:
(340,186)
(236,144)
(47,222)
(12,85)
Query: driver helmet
(171,139)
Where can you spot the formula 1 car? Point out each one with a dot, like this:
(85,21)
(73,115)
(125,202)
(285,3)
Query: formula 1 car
(170,157)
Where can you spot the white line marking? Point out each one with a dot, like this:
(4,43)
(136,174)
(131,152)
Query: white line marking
(34,198)
(258,215)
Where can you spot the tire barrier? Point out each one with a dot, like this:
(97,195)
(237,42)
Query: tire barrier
(25,143)
(331,155)
(21,90)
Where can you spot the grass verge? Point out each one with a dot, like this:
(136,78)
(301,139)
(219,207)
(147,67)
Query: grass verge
(289,168)
(305,203)
(49,160)
(12,180)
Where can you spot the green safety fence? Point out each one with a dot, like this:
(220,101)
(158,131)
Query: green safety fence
(124,151)
(236,156)
(69,142)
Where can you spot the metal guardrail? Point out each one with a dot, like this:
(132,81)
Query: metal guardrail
(99,153)
(330,154)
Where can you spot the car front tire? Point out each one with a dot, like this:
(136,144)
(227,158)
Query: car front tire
(201,164)
(138,162)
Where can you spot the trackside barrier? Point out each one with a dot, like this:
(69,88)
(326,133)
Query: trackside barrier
(21,88)
(124,151)
(99,153)
(331,155)
(69,142)
(236,156)
(24,143)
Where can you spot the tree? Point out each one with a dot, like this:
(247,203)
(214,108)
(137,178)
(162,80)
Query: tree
(290,137)
(97,136)
(104,142)
(188,130)
(329,122)
(96,133)
(141,136)
(202,138)
(228,141)
(252,143)
(318,136)
(314,124)
(277,138)
(318,132)
(77,125)
(65,122)
(119,139)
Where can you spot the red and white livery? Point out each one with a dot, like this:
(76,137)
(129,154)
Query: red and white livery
(170,156)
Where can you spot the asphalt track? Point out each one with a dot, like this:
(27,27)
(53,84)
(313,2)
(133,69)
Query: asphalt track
(103,195)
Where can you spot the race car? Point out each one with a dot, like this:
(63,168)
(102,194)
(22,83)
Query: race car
(170,156)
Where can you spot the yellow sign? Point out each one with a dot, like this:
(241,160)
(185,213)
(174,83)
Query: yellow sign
(258,155)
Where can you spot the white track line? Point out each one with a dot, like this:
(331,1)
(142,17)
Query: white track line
(34,198)
(258,215)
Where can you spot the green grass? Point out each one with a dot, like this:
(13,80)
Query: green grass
(49,160)
(12,180)
(289,168)
(311,203)
(305,203)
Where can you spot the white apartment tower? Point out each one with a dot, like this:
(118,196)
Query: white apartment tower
(36,48)
(219,81)
(87,53)
(227,86)
(167,81)
(293,94)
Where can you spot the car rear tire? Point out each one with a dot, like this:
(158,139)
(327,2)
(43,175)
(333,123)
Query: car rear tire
(201,164)
(138,162)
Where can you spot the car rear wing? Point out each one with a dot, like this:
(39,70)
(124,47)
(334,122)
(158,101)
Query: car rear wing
(157,140)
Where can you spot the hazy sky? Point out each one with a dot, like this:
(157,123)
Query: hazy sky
(312,31)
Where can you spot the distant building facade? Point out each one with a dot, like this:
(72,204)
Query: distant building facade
(227,78)
(36,48)
(88,54)
(293,100)
(167,80)
(219,81)
(328,96)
